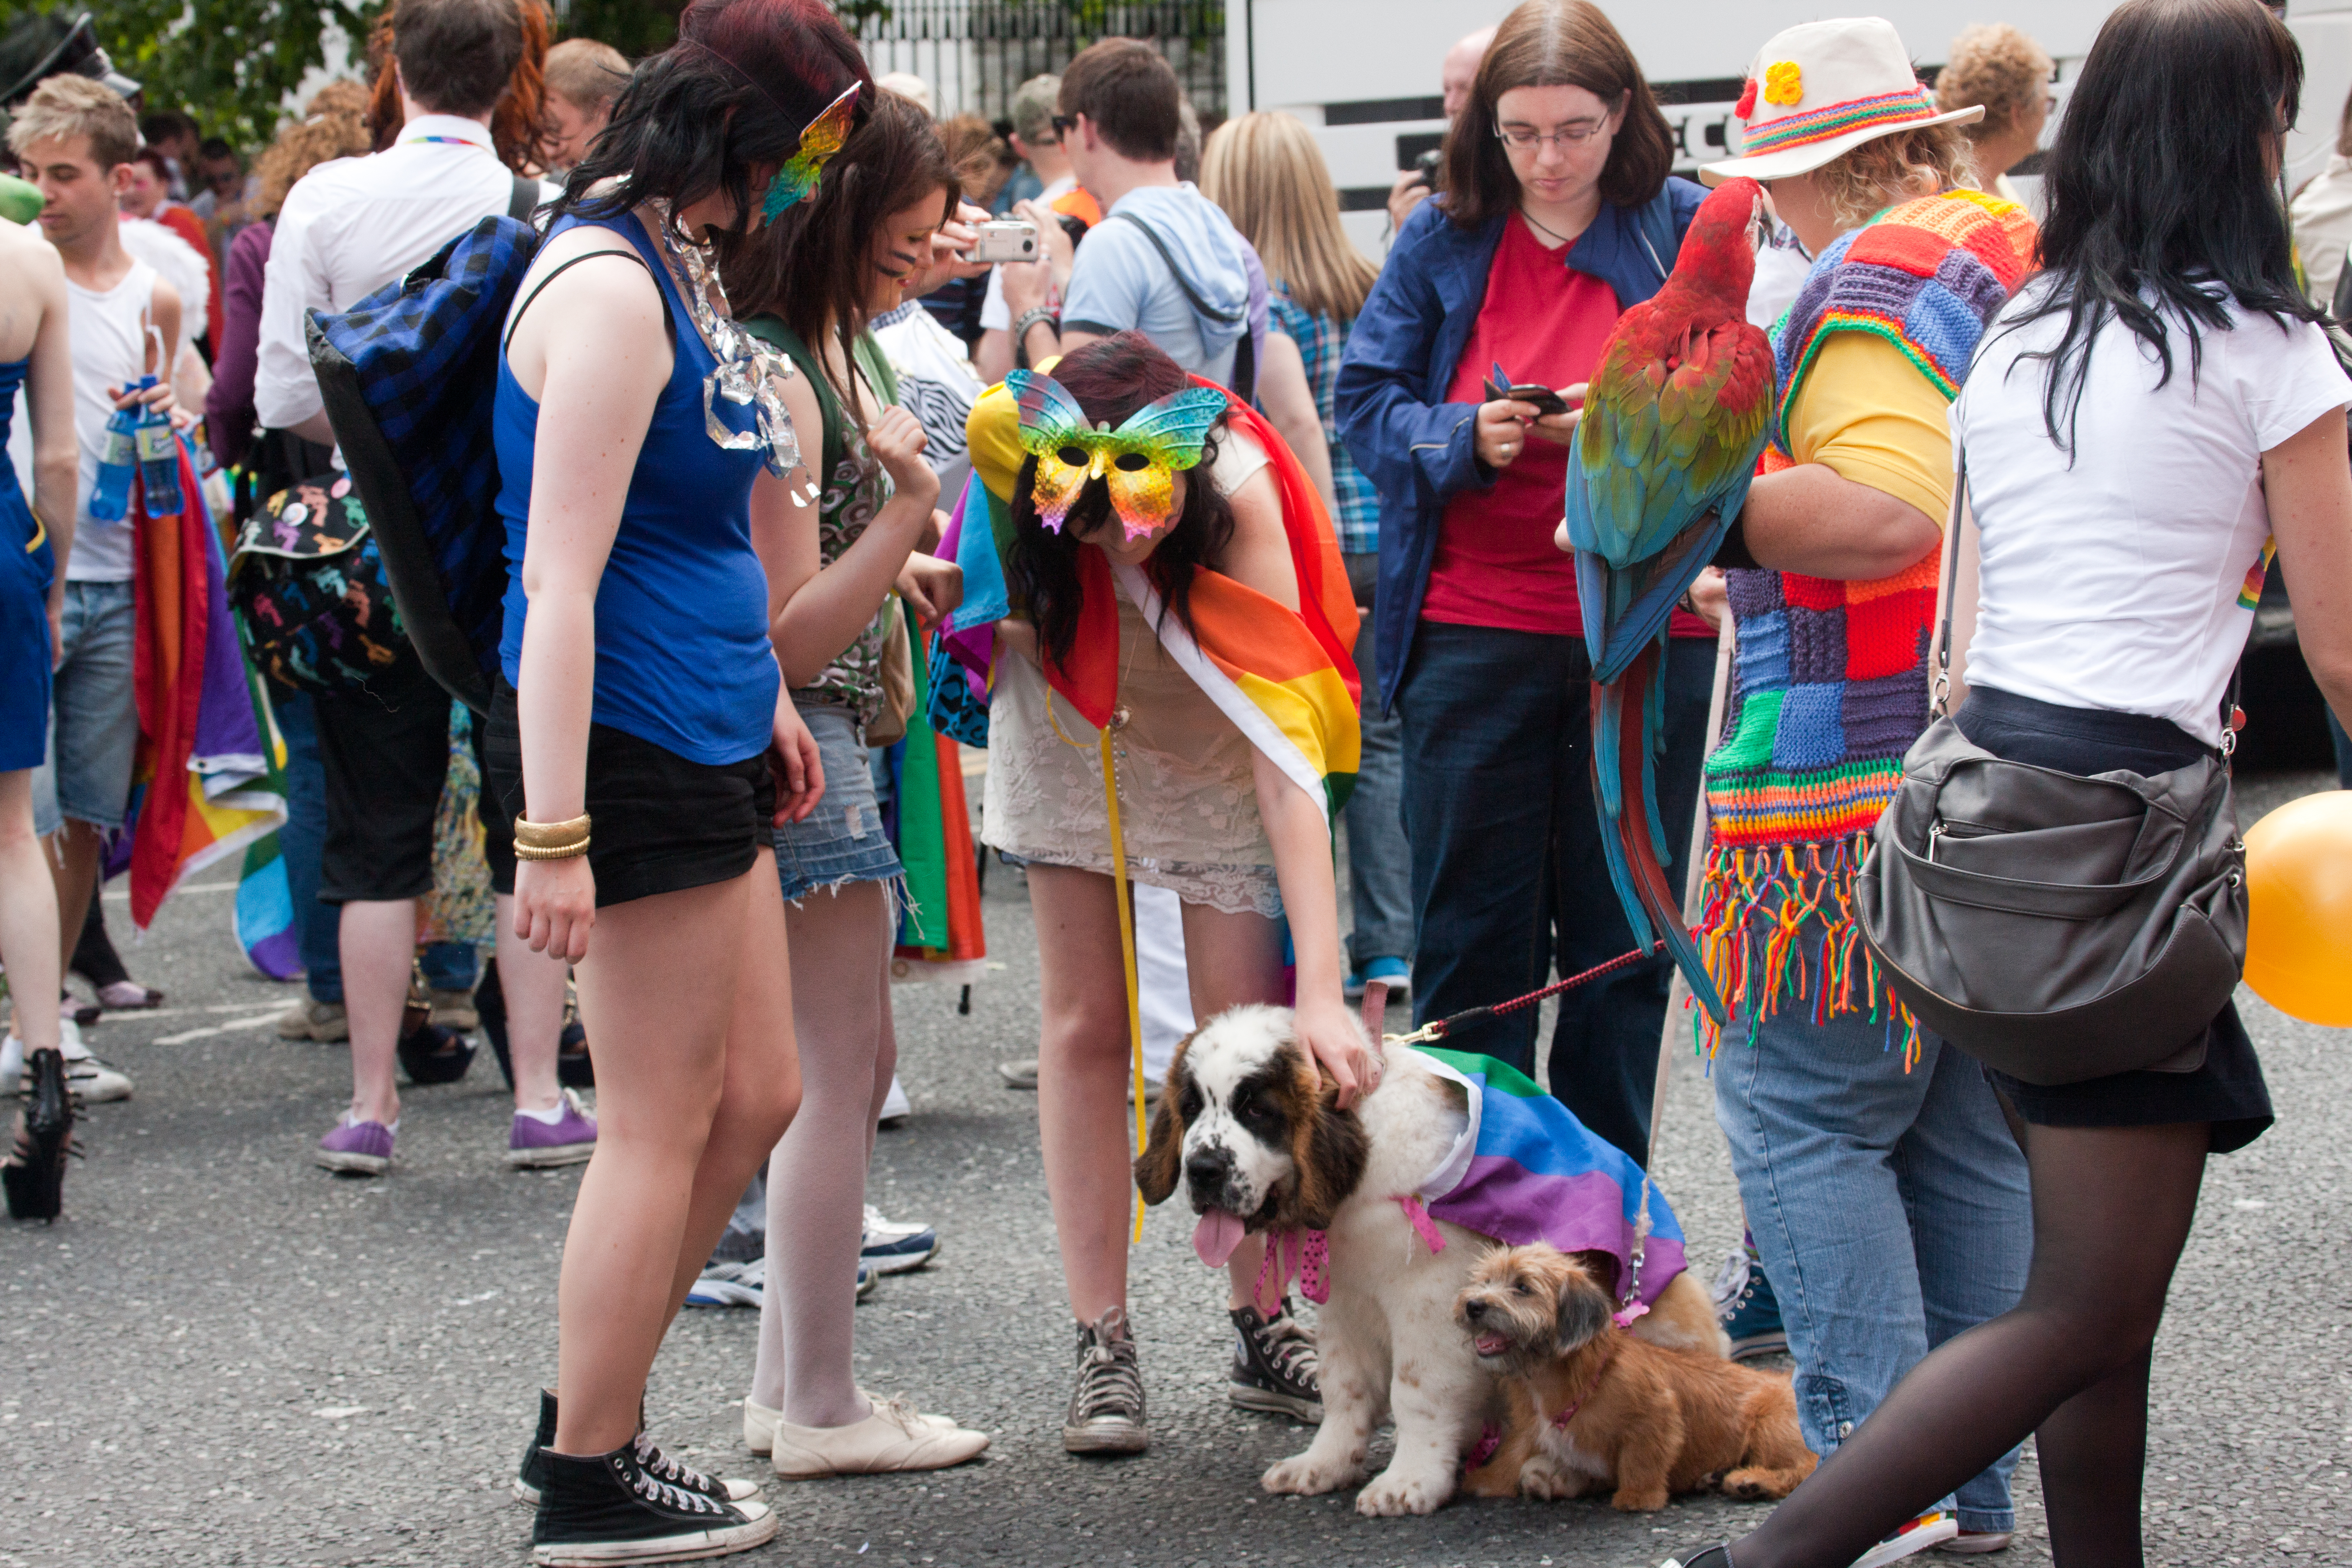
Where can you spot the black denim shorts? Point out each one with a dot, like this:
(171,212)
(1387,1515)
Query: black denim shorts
(662,823)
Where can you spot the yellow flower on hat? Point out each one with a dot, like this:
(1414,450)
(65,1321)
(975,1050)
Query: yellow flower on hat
(1783,83)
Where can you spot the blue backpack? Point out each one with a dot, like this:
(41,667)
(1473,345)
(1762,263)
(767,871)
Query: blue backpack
(409,376)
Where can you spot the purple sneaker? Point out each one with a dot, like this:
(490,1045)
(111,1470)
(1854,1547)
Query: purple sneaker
(536,1146)
(356,1148)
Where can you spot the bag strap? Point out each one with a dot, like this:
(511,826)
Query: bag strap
(1244,352)
(1940,698)
(525,199)
(558,270)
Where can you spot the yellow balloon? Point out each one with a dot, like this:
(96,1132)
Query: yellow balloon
(2299,886)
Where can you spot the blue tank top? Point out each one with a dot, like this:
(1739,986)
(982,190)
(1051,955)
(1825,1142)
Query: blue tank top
(682,652)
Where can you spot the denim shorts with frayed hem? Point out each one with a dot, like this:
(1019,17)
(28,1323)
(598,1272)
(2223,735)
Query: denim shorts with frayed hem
(845,839)
(94,711)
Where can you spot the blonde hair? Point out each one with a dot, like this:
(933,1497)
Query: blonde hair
(335,125)
(587,73)
(76,106)
(1862,182)
(1998,67)
(1266,173)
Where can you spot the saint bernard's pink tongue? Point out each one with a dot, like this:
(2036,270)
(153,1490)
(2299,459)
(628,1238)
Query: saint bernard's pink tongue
(1216,1237)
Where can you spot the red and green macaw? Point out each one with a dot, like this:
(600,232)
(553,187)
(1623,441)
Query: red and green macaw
(1673,420)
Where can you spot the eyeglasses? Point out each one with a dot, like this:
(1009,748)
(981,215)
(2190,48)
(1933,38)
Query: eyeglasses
(1575,134)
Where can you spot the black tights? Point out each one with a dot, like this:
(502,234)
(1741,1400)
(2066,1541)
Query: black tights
(2112,1207)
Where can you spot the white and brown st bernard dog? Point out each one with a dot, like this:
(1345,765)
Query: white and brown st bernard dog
(1251,1130)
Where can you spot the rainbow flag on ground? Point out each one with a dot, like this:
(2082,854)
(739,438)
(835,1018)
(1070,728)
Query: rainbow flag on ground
(1287,679)
(201,787)
(1525,1170)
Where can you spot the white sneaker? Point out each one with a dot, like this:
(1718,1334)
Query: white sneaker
(90,1080)
(1931,1528)
(760,1423)
(893,1246)
(896,1107)
(895,1437)
(12,1064)
(730,1284)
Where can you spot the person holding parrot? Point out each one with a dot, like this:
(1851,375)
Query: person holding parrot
(1887,1199)
(1556,215)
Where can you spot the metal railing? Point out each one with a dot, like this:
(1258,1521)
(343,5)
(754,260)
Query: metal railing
(973,53)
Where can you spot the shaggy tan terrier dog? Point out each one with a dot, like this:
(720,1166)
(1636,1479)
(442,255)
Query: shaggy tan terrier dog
(1592,1406)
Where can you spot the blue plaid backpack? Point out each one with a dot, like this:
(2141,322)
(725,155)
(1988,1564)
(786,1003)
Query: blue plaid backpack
(409,375)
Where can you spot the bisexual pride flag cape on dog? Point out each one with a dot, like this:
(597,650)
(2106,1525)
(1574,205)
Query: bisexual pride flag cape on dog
(1525,1170)
(1286,679)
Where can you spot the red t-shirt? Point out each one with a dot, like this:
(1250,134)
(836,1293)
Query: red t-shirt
(1497,564)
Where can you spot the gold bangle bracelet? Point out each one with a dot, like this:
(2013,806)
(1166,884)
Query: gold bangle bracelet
(566,852)
(550,835)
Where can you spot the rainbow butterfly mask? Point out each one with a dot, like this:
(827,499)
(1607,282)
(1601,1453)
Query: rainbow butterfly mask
(1136,461)
(796,181)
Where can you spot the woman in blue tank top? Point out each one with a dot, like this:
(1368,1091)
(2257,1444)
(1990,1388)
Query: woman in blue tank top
(36,536)
(641,707)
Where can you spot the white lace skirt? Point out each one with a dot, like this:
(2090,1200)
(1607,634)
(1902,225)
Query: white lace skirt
(1187,798)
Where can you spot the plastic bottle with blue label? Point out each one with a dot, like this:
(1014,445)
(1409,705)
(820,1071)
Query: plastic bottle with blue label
(159,464)
(118,460)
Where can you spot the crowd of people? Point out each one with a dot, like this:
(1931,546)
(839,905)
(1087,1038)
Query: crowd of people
(1218,535)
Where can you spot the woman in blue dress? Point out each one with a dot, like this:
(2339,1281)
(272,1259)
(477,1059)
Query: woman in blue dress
(36,534)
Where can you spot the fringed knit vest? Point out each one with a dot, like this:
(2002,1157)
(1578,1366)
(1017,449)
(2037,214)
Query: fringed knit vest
(1828,685)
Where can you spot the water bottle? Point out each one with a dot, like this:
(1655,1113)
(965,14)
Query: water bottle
(159,464)
(118,458)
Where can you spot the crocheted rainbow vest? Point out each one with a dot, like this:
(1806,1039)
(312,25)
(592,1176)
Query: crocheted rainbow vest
(1829,684)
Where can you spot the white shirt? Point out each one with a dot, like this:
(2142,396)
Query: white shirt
(993,316)
(2128,581)
(109,335)
(350,227)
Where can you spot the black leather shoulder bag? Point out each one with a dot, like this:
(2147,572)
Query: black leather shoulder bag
(2055,926)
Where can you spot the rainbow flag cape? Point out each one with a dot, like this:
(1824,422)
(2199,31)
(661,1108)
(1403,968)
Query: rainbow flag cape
(941,935)
(1286,679)
(201,785)
(1525,1170)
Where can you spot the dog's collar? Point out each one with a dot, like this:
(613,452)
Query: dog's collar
(1568,1414)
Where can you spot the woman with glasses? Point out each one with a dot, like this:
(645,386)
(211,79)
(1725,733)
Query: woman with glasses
(1554,214)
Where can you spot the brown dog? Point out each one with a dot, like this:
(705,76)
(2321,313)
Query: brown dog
(1590,1405)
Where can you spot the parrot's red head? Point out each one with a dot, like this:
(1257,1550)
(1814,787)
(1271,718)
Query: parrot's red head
(1718,255)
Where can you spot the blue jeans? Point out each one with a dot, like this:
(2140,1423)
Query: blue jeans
(1890,1209)
(448,965)
(1379,866)
(1508,875)
(93,712)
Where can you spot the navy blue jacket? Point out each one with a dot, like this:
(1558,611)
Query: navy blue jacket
(1415,446)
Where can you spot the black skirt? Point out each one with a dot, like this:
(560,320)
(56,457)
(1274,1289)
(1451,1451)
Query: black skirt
(662,823)
(2226,1090)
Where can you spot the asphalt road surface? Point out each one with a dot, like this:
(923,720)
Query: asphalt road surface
(223,1355)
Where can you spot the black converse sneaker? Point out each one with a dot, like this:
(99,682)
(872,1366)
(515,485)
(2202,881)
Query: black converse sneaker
(1275,1365)
(609,1508)
(33,1173)
(530,1477)
(1105,1414)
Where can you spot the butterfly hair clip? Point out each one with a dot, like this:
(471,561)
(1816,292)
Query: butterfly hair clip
(796,181)
(1136,461)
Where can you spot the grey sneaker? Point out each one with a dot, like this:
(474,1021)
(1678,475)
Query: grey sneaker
(322,1021)
(1107,1408)
(1275,1365)
(1019,1075)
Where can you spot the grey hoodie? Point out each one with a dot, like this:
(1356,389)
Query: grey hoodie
(1121,280)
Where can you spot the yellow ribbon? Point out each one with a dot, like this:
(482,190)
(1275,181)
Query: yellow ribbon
(1126,950)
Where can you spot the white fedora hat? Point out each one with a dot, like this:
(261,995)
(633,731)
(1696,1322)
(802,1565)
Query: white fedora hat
(1822,87)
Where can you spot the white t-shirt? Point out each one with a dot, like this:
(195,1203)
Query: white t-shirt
(2128,581)
(993,316)
(109,334)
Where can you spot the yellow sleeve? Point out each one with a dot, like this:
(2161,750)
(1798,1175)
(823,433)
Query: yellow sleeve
(1866,412)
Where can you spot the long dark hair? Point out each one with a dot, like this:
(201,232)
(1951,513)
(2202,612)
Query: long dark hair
(2163,183)
(1111,378)
(813,268)
(744,80)
(1554,43)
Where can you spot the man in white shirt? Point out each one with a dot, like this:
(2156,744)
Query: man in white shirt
(76,140)
(347,228)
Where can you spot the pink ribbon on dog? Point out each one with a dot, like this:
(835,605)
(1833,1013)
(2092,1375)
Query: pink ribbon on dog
(1303,1255)
(1418,1217)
